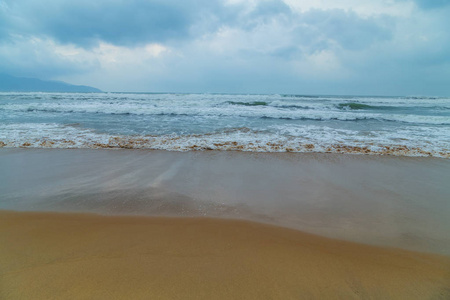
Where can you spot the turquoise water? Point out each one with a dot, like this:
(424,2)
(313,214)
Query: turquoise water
(412,126)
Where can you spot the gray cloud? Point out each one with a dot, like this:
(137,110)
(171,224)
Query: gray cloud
(431,4)
(5,21)
(345,28)
(213,45)
(84,22)
(266,10)
(37,58)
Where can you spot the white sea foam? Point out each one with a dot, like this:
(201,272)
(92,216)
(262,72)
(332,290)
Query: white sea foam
(319,112)
(282,139)
(372,125)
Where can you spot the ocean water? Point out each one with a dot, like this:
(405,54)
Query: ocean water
(405,126)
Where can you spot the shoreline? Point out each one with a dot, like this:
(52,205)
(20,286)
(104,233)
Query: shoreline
(288,155)
(69,255)
(380,200)
(136,144)
(142,224)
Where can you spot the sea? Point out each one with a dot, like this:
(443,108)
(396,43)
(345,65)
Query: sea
(402,126)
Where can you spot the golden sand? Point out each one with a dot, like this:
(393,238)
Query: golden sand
(76,256)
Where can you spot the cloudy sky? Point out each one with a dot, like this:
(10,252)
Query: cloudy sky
(364,47)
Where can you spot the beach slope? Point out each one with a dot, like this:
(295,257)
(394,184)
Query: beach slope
(86,256)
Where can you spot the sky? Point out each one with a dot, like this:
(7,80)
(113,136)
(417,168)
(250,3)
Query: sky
(346,47)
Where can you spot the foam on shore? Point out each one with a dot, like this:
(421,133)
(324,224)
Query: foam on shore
(290,138)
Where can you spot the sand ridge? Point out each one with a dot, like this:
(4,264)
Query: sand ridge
(82,256)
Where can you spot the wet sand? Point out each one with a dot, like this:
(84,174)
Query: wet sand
(171,225)
(399,202)
(85,256)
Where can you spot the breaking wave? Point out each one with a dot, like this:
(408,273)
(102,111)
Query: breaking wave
(279,139)
(271,123)
(346,111)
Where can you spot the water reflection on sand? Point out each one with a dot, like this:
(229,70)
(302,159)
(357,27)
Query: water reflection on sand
(393,201)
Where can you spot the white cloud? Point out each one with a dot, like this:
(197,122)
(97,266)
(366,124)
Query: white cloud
(44,58)
(111,56)
(322,65)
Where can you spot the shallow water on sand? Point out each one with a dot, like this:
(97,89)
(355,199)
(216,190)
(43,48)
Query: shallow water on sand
(392,201)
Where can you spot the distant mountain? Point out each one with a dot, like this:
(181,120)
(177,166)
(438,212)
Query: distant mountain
(10,83)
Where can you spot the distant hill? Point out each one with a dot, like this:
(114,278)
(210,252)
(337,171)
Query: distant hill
(10,83)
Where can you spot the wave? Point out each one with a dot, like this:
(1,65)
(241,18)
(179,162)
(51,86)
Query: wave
(422,97)
(393,107)
(300,96)
(356,113)
(279,139)
(358,106)
(256,103)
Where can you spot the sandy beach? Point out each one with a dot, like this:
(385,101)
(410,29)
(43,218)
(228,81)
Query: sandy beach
(227,149)
(399,202)
(118,224)
(82,256)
